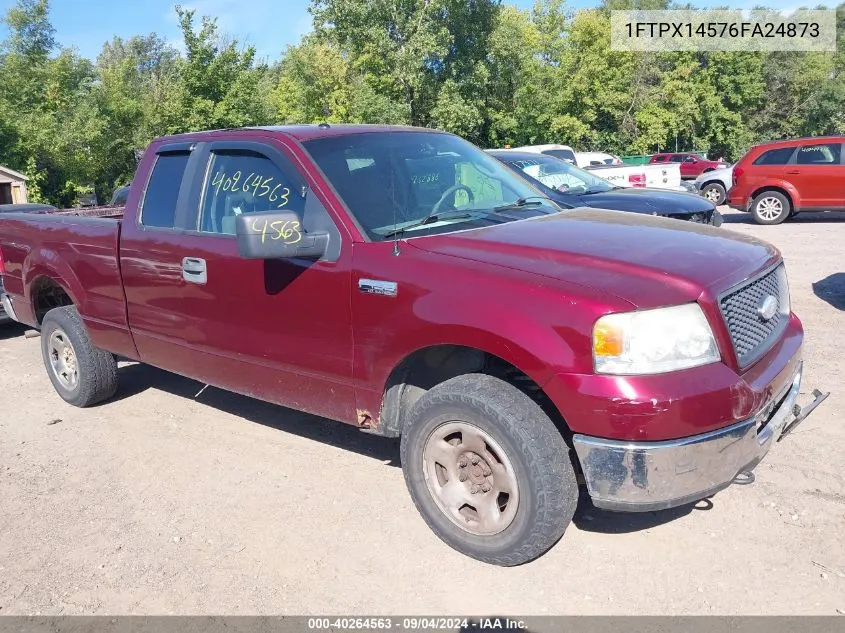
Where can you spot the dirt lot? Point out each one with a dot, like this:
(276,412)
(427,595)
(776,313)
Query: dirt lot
(164,502)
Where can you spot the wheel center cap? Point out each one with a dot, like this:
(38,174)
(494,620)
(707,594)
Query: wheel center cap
(475,471)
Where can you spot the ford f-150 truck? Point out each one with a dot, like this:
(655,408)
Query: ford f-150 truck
(404,281)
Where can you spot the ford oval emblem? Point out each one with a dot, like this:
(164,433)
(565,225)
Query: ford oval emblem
(767,307)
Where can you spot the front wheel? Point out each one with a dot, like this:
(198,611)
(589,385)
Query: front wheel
(770,207)
(81,373)
(714,192)
(488,471)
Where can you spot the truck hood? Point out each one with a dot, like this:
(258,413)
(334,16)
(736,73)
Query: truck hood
(645,260)
(650,201)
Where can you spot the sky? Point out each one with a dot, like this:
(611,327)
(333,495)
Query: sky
(269,25)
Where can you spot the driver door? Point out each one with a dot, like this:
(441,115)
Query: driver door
(278,330)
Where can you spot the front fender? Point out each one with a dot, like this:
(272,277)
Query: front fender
(541,337)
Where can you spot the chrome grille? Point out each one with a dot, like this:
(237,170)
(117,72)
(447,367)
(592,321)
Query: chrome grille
(751,334)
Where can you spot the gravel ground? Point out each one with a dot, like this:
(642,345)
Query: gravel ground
(165,502)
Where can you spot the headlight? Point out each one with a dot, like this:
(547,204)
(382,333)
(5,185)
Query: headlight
(653,341)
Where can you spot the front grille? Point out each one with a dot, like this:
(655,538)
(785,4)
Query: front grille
(751,334)
(698,218)
(2,310)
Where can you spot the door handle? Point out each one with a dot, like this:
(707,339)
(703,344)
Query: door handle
(793,171)
(194,270)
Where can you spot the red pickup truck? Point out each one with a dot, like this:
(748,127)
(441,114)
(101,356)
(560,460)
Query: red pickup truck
(404,281)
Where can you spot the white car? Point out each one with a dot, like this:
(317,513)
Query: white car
(666,176)
(595,159)
(563,152)
(714,185)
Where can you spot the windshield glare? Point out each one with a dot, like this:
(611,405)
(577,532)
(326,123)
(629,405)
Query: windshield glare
(561,176)
(391,180)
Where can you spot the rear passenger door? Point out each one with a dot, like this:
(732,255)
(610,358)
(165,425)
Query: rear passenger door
(817,171)
(279,330)
(768,167)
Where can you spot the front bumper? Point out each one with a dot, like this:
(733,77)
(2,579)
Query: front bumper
(642,476)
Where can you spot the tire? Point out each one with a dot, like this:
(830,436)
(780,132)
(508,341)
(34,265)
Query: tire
(522,451)
(714,192)
(770,207)
(82,374)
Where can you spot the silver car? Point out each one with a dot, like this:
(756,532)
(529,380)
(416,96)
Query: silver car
(714,185)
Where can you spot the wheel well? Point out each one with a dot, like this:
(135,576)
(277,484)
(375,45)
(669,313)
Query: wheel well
(707,183)
(772,188)
(46,295)
(430,366)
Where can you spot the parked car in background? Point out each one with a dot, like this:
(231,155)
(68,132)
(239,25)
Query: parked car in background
(87,200)
(714,185)
(403,281)
(593,159)
(27,207)
(692,165)
(564,152)
(118,198)
(777,180)
(656,176)
(572,187)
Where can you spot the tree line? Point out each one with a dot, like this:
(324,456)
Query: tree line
(490,72)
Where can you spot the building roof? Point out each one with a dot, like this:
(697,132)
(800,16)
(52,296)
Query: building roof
(14,174)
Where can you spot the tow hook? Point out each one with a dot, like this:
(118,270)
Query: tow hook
(800,414)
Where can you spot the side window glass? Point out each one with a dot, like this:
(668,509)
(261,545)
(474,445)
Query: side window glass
(827,154)
(778,156)
(243,182)
(159,207)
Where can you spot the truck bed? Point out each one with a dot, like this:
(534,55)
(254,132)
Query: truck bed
(78,249)
(91,212)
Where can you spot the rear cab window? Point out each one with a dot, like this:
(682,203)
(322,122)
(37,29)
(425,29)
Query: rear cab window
(158,210)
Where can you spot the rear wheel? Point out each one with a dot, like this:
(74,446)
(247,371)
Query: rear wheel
(488,471)
(81,373)
(714,192)
(770,207)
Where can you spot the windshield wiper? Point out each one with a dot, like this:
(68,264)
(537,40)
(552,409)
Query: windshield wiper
(520,203)
(460,215)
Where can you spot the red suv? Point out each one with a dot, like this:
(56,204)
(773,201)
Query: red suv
(777,180)
(692,165)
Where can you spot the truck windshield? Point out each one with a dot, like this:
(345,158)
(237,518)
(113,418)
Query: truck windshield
(419,183)
(560,176)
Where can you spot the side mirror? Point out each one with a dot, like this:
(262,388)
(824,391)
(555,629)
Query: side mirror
(278,235)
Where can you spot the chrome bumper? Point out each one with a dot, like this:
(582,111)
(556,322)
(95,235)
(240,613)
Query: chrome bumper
(7,310)
(642,476)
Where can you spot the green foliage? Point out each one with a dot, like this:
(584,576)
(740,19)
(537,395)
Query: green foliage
(493,73)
